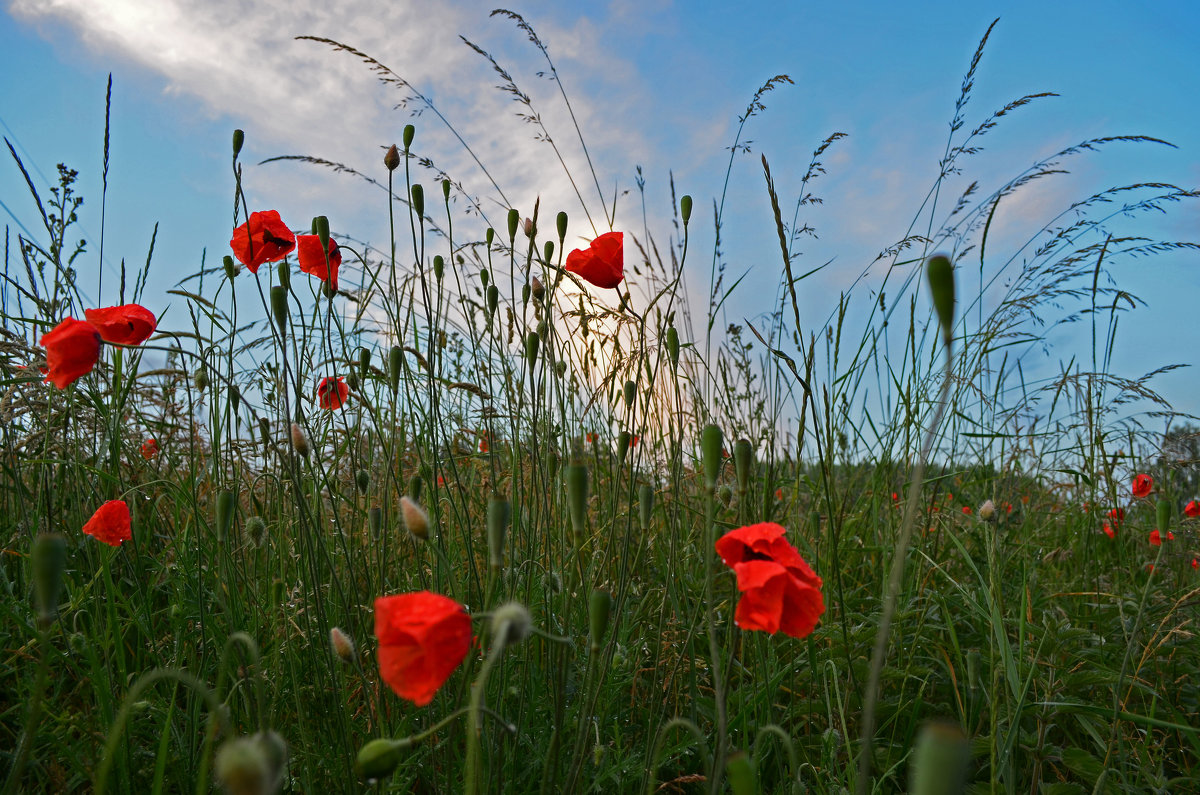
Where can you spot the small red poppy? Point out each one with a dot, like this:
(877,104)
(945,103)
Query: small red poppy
(423,637)
(264,238)
(1109,531)
(72,350)
(441,481)
(312,260)
(1192,509)
(895,497)
(1156,538)
(1116,516)
(633,440)
(110,523)
(149,449)
(602,263)
(332,393)
(1195,563)
(780,591)
(967,510)
(779,493)
(590,438)
(1142,484)
(131,324)
(1008,507)
(483,443)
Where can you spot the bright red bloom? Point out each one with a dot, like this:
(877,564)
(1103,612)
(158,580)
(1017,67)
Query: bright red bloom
(72,350)
(423,637)
(895,497)
(590,438)
(1195,563)
(312,260)
(1008,507)
(131,324)
(1156,538)
(967,510)
(332,393)
(483,443)
(1192,509)
(602,263)
(633,440)
(779,589)
(149,449)
(264,238)
(1142,484)
(441,481)
(1116,516)
(1109,531)
(110,523)
(779,493)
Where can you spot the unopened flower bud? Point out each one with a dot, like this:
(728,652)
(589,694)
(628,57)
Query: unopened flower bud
(391,160)
(685,209)
(375,521)
(239,138)
(49,559)
(299,440)
(711,441)
(511,623)
(415,518)
(200,379)
(538,289)
(529,227)
(409,133)
(362,479)
(987,510)
(599,609)
(256,530)
(499,512)
(514,219)
(242,767)
(379,758)
(342,645)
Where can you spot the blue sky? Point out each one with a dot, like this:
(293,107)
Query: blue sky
(654,83)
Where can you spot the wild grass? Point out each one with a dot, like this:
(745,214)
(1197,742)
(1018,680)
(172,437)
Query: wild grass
(553,434)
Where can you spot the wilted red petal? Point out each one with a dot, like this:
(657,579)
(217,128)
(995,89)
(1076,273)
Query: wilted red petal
(423,637)
(110,523)
(602,263)
(312,260)
(332,393)
(72,350)
(264,238)
(131,324)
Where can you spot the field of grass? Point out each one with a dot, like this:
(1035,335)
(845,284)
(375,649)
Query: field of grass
(558,460)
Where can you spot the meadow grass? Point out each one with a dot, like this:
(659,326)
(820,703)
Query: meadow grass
(580,449)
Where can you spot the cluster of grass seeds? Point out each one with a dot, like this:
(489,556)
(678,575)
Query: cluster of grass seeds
(977,618)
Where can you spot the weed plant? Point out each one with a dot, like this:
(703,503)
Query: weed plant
(552,433)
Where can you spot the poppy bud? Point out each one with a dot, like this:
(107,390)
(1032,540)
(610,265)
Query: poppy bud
(548,250)
(446,189)
(362,479)
(623,441)
(409,132)
(226,502)
(49,558)
(230,268)
(364,362)
(743,463)
(940,760)
(375,521)
(673,346)
(498,513)
(299,440)
(274,748)
(561,221)
(529,227)
(599,608)
(352,381)
(284,274)
(279,308)
(539,289)
(416,485)
(739,771)
(321,230)
(242,767)
(630,393)
(711,442)
(439,267)
(342,645)
(576,476)
(645,505)
(200,379)
(526,291)
(489,236)
(560,368)
(418,200)
(239,138)
(543,330)
(940,272)
(725,494)
(415,518)
(532,341)
(987,510)
(256,530)
(391,159)
(235,398)
(514,219)
(1162,516)
(493,298)
(395,363)
(511,623)
(380,757)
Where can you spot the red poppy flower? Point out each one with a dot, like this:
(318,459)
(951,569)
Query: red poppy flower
(590,437)
(1008,507)
(779,493)
(779,589)
(967,510)
(1116,516)
(110,523)
(1109,531)
(895,497)
(423,637)
(72,350)
(264,238)
(483,443)
(1195,563)
(312,259)
(1142,484)
(602,263)
(633,440)
(332,393)
(1156,538)
(441,481)
(131,324)
(149,449)
(1192,509)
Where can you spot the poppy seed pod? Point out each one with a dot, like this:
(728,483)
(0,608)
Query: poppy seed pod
(239,138)
(940,760)
(415,518)
(395,363)
(48,559)
(514,220)
(599,610)
(743,463)
(645,505)
(673,347)
(940,272)
(511,623)
(576,476)
(391,158)
(685,208)
(711,442)
(499,511)
(380,757)
(409,133)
